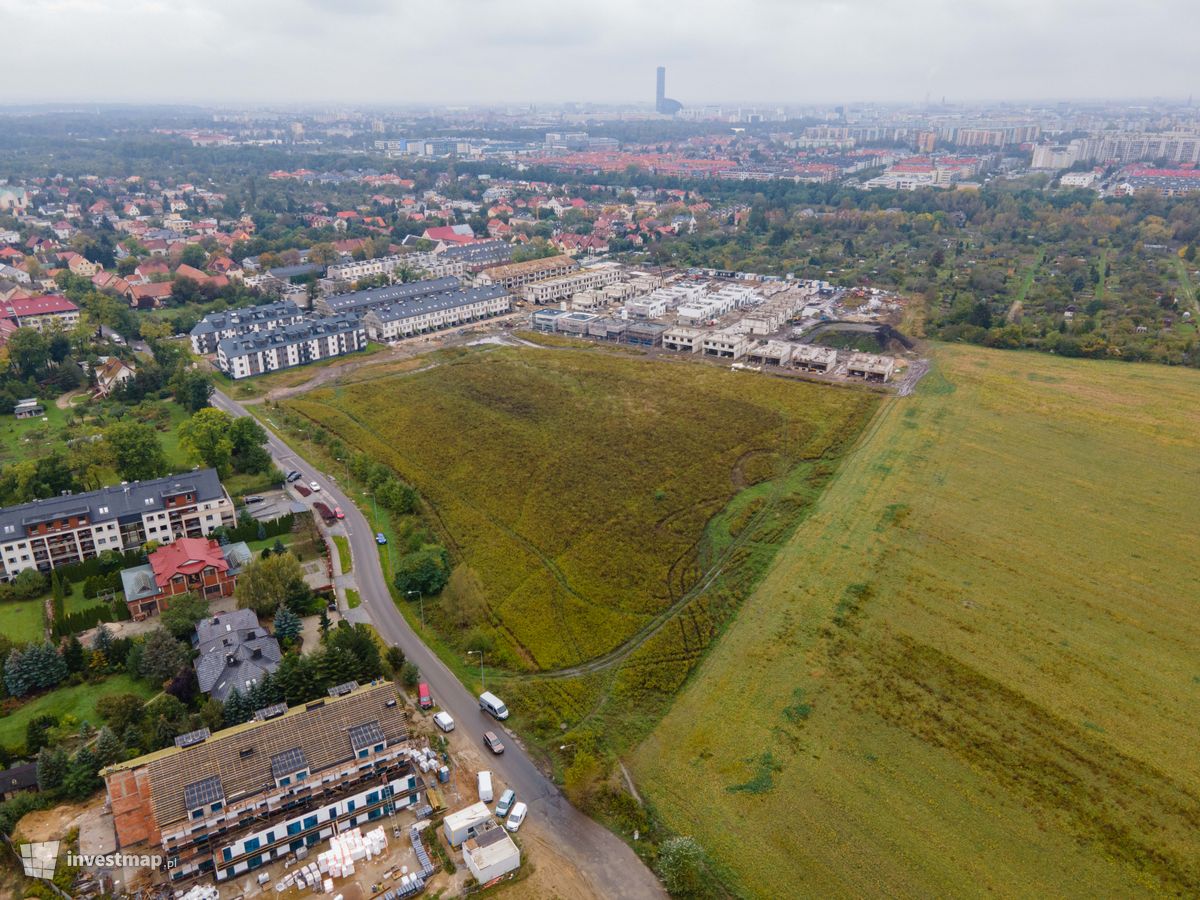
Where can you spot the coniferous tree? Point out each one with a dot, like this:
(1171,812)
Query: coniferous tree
(51,768)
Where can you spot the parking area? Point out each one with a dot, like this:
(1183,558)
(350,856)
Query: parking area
(274,505)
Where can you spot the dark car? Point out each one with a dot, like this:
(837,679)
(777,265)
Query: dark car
(492,742)
(250,500)
(293,476)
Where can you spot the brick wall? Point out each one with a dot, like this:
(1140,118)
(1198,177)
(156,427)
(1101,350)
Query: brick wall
(133,814)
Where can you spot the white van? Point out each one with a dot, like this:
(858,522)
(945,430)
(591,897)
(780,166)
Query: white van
(444,721)
(490,703)
(485,787)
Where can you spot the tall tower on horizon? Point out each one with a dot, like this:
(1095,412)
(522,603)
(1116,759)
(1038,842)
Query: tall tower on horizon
(662,103)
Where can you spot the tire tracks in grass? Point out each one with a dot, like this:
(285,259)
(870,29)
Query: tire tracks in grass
(618,655)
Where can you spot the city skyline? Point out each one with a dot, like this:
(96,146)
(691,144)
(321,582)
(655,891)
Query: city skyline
(858,51)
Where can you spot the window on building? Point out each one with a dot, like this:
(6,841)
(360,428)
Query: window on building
(251,844)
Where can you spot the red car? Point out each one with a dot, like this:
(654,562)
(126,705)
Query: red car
(424,700)
(337,511)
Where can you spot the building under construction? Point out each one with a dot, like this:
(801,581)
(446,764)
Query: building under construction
(227,803)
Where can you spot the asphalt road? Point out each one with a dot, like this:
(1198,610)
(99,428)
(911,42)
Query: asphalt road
(604,859)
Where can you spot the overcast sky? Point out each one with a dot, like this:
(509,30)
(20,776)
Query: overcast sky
(519,51)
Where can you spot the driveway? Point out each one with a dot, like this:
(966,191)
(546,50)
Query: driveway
(603,858)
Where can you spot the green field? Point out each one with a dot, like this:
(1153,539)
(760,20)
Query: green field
(973,671)
(21,620)
(574,488)
(22,439)
(79,701)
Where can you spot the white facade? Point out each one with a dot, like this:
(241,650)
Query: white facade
(491,855)
(460,825)
(291,345)
(683,339)
(432,265)
(554,289)
(434,313)
(725,345)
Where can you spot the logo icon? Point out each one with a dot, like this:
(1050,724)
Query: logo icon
(40,858)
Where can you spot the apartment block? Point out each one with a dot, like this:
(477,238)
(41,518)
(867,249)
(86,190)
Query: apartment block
(434,312)
(516,275)
(232,323)
(429,264)
(292,345)
(358,302)
(221,805)
(69,529)
(554,289)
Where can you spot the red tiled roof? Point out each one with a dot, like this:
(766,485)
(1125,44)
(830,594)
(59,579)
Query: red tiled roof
(46,304)
(186,271)
(186,556)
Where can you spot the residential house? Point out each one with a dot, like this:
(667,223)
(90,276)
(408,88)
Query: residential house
(187,565)
(111,374)
(235,653)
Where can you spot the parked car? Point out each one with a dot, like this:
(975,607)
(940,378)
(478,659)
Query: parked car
(490,703)
(444,721)
(492,742)
(337,511)
(424,700)
(313,486)
(380,538)
(516,817)
(506,801)
(485,786)
(293,476)
(253,499)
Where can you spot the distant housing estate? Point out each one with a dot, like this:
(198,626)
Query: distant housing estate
(434,311)
(359,302)
(517,275)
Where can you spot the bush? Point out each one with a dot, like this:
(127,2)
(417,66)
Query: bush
(427,570)
(681,867)
(87,618)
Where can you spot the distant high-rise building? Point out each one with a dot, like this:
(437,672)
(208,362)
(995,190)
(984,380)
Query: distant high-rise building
(662,103)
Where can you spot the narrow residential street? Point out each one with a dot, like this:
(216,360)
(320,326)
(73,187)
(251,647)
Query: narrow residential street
(602,858)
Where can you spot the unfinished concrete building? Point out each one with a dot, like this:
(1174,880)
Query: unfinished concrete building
(870,367)
(683,339)
(725,345)
(770,353)
(812,358)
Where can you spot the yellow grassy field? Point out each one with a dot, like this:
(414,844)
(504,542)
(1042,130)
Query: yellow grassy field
(975,669)
(576,486)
